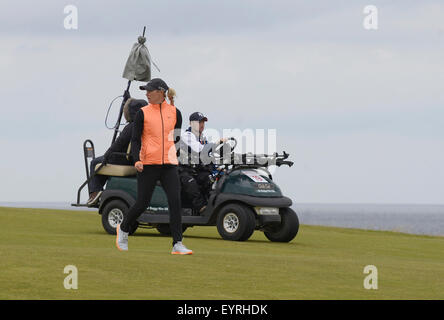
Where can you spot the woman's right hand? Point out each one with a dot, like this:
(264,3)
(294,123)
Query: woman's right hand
(139,166)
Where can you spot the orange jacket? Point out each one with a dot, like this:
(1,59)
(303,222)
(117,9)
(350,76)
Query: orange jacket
(155,132)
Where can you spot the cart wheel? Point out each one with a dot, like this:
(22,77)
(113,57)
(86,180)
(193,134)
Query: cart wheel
(113,214)
(236,222)
(165,229)
(286,230)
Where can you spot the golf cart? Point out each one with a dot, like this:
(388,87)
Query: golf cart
(243,198)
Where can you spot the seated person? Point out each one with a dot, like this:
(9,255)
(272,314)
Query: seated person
(195,176)
(121,144)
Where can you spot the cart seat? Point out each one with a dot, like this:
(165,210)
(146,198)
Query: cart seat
(116,170)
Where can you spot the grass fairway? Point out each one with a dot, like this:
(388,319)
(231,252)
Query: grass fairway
(320,263)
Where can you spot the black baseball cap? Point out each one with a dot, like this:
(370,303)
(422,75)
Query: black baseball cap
(198,116)
(155,84)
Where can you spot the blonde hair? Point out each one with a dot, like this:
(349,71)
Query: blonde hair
(171,93)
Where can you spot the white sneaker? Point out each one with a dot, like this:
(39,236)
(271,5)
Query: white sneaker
(179,248)
(121,239)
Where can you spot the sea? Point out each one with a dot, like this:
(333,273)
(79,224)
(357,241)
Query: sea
(422,219)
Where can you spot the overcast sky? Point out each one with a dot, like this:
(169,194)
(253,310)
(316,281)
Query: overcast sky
(360,111)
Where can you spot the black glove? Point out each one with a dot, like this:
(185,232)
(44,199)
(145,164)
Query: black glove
(126,95)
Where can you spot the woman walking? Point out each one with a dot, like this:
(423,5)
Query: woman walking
(153,147)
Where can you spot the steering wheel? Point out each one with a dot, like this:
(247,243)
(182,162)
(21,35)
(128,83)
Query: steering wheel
(231,143)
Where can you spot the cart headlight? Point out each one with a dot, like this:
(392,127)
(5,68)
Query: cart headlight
(266,211)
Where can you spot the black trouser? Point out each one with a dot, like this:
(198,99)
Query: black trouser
(146,182)
(97,181)
(195,184)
